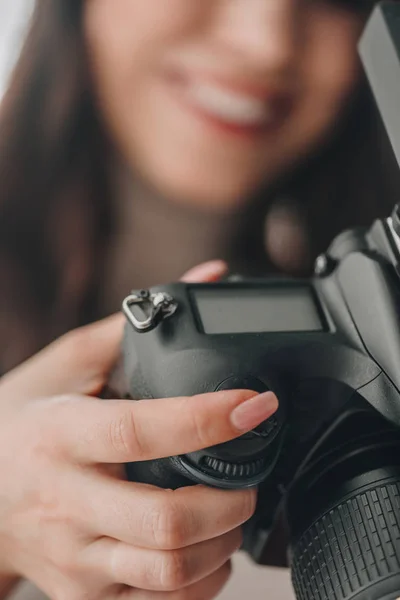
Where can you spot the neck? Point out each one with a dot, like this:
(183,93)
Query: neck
(156,240)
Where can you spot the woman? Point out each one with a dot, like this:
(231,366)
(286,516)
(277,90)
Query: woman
(138,139)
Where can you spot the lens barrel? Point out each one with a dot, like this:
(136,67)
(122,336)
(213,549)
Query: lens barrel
(344,518)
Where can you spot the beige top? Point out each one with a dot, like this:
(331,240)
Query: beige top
(156,241)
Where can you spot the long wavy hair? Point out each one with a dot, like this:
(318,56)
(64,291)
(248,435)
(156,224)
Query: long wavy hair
(55,202)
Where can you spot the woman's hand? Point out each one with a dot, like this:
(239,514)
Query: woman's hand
(69,521)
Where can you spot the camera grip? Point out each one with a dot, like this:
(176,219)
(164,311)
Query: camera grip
(352,550)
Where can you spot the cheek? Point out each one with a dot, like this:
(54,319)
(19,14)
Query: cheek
(126,38)
(125,22)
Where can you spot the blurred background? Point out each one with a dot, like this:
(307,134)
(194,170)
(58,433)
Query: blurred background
(14,17)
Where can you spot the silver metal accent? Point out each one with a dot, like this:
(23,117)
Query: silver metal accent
(235,277)
(379,51)
(162,306)
(395,237)
(321,266)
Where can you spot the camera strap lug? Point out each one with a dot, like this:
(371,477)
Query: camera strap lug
(155,308)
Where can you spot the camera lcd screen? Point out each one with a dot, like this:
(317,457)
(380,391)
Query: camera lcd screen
(258,309)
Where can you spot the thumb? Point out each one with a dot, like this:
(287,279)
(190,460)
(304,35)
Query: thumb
(80,362)
(77,363)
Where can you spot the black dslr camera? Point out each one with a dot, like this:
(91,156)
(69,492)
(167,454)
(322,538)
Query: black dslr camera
(330,349)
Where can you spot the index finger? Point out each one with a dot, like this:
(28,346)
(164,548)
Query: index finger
(122,431)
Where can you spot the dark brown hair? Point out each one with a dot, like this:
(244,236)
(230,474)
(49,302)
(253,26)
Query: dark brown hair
(53,192)
(352,179)
(55,209)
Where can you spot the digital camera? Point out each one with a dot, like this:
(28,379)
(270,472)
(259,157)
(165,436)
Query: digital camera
(329,348)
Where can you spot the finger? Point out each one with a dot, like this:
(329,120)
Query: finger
(206,272)
(207,589)
(121,431)
(81,361)
(162,571)
(158,519)
(78,362)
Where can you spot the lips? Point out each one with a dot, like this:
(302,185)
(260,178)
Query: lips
(229,106)
(233,106)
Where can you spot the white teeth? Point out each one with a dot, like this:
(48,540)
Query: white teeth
(230,106)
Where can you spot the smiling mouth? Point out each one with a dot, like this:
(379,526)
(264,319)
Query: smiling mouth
(236,109)
(231,107)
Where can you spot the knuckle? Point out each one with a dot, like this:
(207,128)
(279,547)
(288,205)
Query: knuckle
(167,525)
(174,571)
(80,348)
(52,514)
(209,588)
(248,505)
(66,565)
(76,345)
(236,540)
(42,445)
(224,574)
(124,438)
(43,439)
(217,582)
(199,424)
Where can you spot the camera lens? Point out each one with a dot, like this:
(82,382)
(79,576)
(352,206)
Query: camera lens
(344,517)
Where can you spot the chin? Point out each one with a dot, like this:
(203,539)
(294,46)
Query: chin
(211,197)
(204,191)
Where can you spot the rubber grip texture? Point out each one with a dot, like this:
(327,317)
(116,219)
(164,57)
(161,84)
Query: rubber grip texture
(353,549)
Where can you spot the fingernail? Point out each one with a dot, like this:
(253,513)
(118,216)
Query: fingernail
(209,270)
(251,413)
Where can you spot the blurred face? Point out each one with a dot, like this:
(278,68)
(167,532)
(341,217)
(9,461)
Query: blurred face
(209,99)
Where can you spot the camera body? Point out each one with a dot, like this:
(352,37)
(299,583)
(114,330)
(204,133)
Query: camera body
(336,336)
(329,347)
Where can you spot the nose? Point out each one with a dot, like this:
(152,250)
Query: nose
(262,32)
